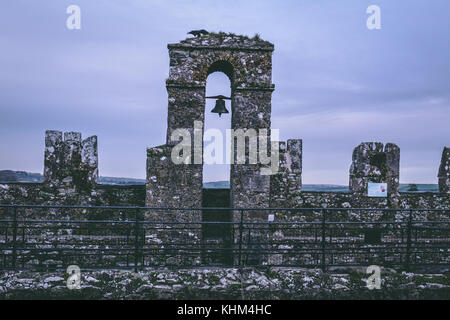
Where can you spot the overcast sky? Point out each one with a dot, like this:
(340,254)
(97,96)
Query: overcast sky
(337,83)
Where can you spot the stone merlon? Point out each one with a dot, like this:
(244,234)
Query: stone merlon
(444,171)
(374,162)
(70,162)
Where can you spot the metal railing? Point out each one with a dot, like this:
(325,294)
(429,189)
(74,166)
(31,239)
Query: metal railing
(53,237)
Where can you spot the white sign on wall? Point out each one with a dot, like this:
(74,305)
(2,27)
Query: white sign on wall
(376,189)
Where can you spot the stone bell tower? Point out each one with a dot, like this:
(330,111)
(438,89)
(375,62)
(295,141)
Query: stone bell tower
(248,64)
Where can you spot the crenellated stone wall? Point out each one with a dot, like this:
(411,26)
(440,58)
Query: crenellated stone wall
(70,177)
(373,162)
(285,191)
(101,195)
(70,163)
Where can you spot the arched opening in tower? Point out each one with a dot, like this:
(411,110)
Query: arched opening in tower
(216,167)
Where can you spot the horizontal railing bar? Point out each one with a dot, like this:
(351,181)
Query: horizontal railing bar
(364,247)
(394,241)
(418,223)
(191,267)
(213,208)
(150,252)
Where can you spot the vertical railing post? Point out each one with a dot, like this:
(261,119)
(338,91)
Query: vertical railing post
(14,249)
(408,241)
(323,263)
(142,232)
(136,240)
(240,235)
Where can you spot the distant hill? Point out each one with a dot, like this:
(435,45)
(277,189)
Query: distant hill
(120,181)
(334,188)
(217,185)
(22,176)
(305,187)
(420,187)
(325,188)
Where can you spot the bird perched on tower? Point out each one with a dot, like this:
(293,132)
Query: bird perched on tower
(198,33)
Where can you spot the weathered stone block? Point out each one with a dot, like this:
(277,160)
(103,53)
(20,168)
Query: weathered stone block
(89,159)
(444,171)
(71,163)
(287,183)
(373,162)
(53,155)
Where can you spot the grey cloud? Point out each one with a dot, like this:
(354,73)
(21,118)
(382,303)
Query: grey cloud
(337,83)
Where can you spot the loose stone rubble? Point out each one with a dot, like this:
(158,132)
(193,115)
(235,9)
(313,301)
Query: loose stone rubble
(225,283)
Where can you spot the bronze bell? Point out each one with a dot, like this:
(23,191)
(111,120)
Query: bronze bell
(220,105)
